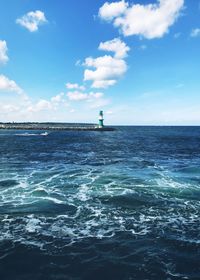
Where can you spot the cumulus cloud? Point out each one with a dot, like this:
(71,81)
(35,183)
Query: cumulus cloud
(58,98)
(9,85)
(52,104)
(111,10)
(95,99)
(9,108)
(79,96)
(103,83)
(41,105)
(3,52)
(195,32)
(107,69)
(119,48)
(150,21)
(32,20)
(74,86)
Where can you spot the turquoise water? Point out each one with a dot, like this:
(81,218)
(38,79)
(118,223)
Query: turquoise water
(100,205)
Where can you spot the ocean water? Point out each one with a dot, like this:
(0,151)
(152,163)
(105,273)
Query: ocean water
(100,205)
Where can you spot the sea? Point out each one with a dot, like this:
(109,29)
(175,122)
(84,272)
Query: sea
(119,205)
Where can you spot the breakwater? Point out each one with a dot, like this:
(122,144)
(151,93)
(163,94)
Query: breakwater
(54,126)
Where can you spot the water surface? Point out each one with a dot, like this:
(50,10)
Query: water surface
(100,205)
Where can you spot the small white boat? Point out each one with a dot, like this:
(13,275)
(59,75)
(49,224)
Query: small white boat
(44,134)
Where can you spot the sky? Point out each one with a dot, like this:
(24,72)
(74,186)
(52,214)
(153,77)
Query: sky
(63,61)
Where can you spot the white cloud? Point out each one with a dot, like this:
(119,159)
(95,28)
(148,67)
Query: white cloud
(56,108)
(111,10)
(74,86)
(108,70)
(94,99)
(58,98)
(9,108)
(9,85)
(53,104)
(195,32)
(96,95)
(32,20)
(41,105)
(150,21)
(80,96)
(103,83)
(3,52)
(117,46)
(77,96)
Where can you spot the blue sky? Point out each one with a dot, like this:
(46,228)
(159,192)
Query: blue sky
(65,60)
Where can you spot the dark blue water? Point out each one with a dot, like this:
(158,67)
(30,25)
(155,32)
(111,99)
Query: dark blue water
(100,205)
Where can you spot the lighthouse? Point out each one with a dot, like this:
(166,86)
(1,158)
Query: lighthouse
(101,125)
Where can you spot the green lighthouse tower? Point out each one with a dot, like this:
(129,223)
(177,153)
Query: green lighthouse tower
(101,125)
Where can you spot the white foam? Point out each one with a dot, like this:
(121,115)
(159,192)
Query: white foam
(33,225)
(83,192)
(27,134)
(55,200)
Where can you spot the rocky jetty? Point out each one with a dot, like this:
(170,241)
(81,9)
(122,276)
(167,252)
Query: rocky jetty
(54,126)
